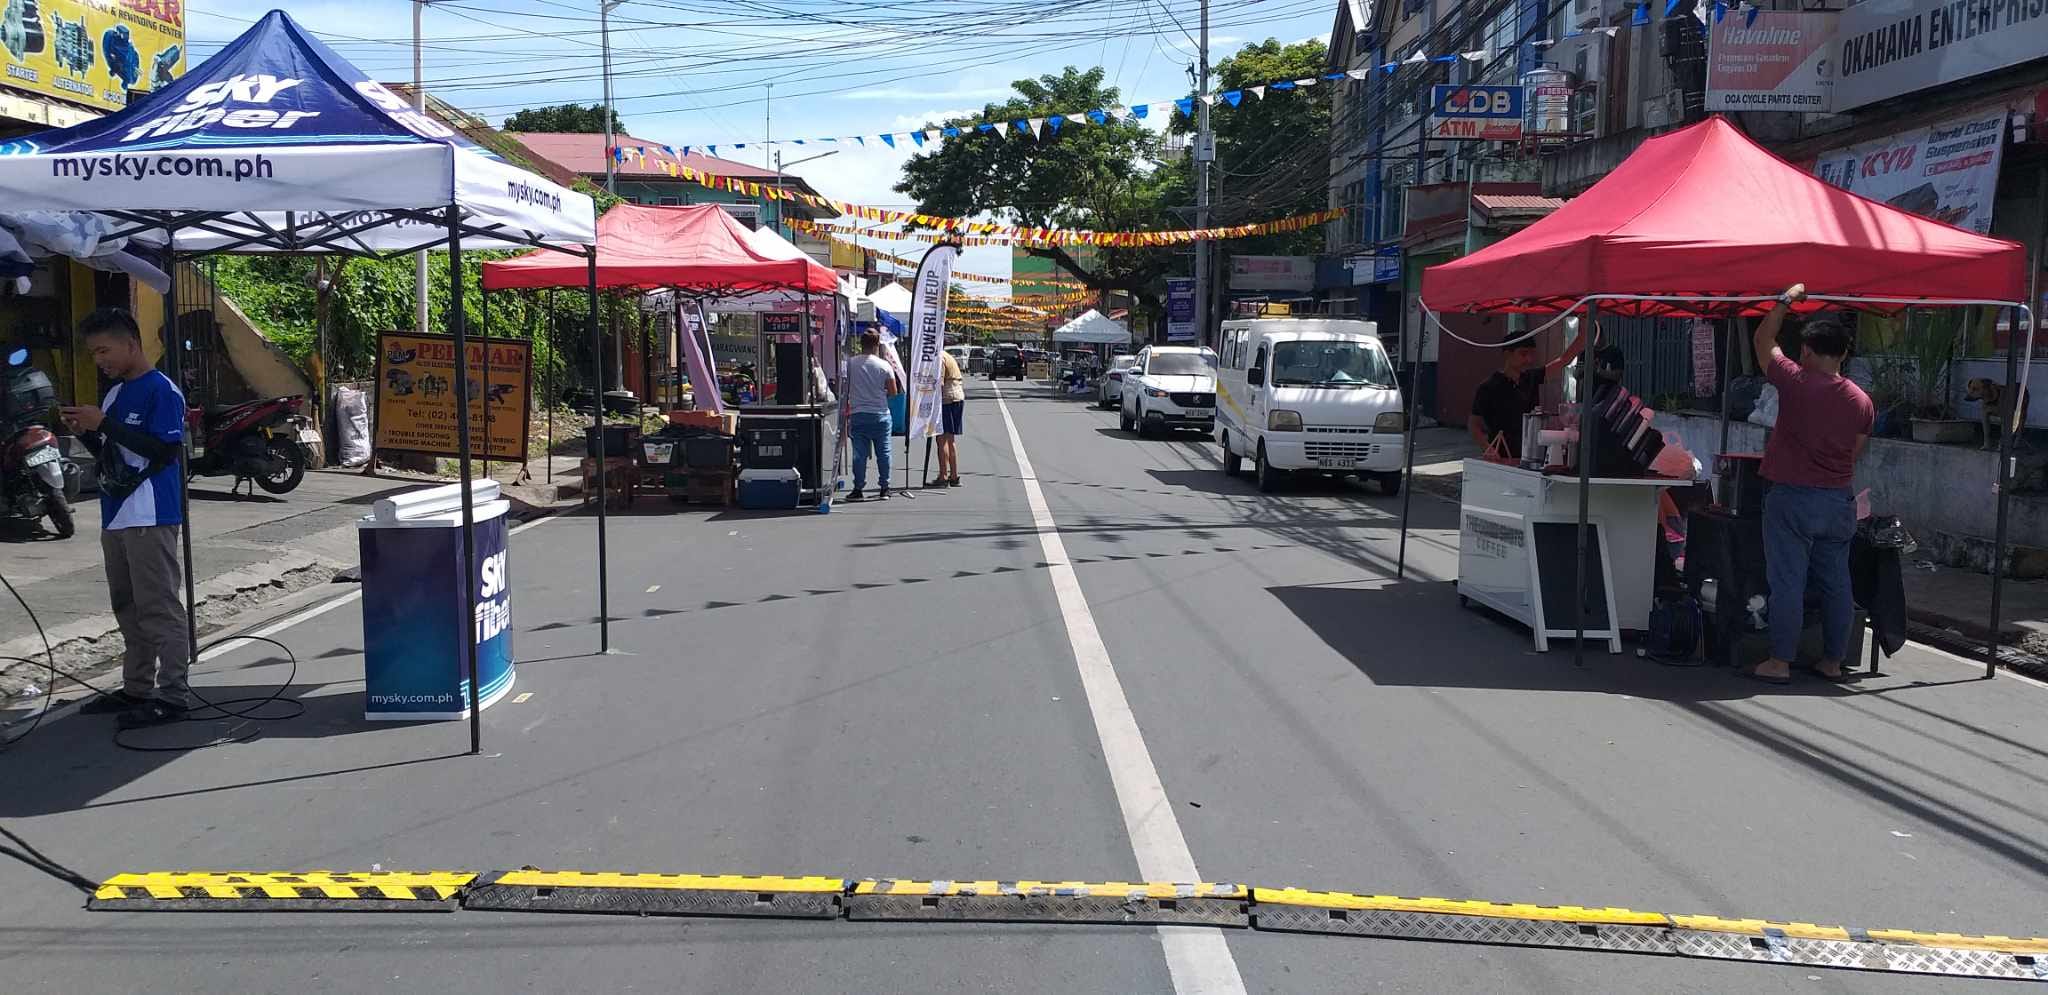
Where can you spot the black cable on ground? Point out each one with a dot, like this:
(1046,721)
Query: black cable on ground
(205,711)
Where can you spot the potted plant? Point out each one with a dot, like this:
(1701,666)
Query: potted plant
(1933,351)
(1891,391)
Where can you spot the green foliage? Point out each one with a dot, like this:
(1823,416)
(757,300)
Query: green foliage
(369,296)
(585,119)
(1085,176)
(1272,155)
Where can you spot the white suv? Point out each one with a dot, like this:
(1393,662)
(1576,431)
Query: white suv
(1169,387)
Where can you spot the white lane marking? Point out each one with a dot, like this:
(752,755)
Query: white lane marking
(276,627)
(1198,958)
(1977,665)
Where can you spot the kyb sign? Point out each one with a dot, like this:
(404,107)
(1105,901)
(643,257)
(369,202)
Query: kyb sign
(1476,113)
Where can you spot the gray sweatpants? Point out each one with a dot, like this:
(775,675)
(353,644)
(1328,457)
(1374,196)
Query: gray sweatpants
(143,581)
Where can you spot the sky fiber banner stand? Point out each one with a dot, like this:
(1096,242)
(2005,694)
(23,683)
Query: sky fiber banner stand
(928,337)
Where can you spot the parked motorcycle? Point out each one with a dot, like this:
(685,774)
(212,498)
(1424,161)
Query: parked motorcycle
(36,481)
(268,441)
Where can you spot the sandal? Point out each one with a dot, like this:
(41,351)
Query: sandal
(1757,675)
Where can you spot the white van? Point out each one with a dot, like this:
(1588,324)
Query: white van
(1313,395)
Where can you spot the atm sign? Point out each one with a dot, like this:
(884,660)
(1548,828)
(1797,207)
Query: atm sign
(1476,113)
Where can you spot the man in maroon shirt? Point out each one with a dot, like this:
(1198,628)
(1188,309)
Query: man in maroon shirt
(1809,512)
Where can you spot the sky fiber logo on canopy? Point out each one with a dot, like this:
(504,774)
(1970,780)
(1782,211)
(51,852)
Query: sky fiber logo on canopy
(216,103)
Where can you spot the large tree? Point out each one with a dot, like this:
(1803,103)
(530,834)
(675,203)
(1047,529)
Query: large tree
(585,119)
(1272,154)
(1083,175)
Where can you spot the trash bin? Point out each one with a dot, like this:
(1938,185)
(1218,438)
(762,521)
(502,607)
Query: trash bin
(415,602)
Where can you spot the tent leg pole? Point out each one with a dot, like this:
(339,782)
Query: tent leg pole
(2011,427)
(1733,327)
(604,613)
(457,324)
(1408,443)
(553,394)
(174,353)
(2016,422)
(483,297)
(1588,454)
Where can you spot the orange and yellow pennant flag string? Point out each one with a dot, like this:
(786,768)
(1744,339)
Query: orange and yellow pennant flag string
(993,234)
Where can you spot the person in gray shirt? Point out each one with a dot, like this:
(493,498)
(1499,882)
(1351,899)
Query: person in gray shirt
(870,382)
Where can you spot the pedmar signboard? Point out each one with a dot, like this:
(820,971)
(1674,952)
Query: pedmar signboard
(416,395)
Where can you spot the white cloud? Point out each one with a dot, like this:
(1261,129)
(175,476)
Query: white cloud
(911,122)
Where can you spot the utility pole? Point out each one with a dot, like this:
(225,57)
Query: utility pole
(768,127)
(419,103)
(1205,151)
(604,31)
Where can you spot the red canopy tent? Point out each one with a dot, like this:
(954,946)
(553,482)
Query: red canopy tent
(701,248)
(1709,223)
(1705,222)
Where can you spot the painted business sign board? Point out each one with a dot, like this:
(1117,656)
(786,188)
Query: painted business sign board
(1774,61)
(1886,48)
(1476,113)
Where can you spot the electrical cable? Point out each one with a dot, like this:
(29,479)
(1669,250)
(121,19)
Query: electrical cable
(203,712)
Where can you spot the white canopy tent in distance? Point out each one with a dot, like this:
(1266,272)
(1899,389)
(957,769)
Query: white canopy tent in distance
(1093,328)
(278,145)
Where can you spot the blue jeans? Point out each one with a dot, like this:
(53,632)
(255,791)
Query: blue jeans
(1806,540)
(870,430)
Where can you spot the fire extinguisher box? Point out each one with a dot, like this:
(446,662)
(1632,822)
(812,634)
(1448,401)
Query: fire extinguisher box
(416,601)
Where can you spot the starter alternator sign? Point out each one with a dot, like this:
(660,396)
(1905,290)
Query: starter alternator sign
(1476,113)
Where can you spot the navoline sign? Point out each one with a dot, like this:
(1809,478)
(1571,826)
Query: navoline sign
(1476,113)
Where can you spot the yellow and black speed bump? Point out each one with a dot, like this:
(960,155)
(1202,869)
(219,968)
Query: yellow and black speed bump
(1113,902)
(1155,903)
(657,894)
(308,891)
(1628,931)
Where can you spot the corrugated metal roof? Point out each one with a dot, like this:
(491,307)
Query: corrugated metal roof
(1494,203)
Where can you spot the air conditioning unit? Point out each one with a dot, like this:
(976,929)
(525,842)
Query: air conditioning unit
(1585,13)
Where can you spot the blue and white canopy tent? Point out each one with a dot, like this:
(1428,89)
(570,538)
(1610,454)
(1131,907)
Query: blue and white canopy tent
(279,145)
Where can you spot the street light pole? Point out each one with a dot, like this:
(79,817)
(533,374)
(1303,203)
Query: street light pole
(768,127)
(604,31)
(1205,151)
(419,103)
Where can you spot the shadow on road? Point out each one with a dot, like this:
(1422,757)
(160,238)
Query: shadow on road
(73,762)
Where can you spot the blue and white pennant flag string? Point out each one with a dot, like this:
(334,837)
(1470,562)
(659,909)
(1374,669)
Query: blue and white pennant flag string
(1038,127)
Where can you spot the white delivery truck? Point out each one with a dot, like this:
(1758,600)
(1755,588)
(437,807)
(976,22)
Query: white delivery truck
(1309,395)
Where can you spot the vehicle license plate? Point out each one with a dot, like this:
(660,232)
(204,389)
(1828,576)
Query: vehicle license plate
(1336,463)
(40,457)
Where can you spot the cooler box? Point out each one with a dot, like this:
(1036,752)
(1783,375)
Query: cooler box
(416,603)
(765,488)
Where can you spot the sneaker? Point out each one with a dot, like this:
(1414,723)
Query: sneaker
(855,495)
(953,482)
(110,704)
(883,496)
(151,713)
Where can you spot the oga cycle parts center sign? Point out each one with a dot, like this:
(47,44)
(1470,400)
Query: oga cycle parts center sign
(416,395)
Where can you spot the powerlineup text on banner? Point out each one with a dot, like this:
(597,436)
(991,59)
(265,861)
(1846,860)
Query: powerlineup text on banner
(1476,113)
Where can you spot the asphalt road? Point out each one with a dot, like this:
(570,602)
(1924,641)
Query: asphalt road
(911,689)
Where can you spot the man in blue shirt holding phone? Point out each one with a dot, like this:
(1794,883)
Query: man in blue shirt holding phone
(137,433)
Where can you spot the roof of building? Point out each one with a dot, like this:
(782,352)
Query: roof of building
(1498,203)
(585,153)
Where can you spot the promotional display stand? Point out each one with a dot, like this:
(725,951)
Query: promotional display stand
(415,602)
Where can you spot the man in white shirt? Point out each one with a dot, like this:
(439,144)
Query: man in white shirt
(870,382)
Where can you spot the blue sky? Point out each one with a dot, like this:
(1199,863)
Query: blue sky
(697,73)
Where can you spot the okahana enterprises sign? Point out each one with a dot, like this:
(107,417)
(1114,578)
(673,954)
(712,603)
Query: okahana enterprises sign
(1885,48)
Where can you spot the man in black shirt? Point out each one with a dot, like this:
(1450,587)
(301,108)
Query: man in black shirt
(1513,391)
